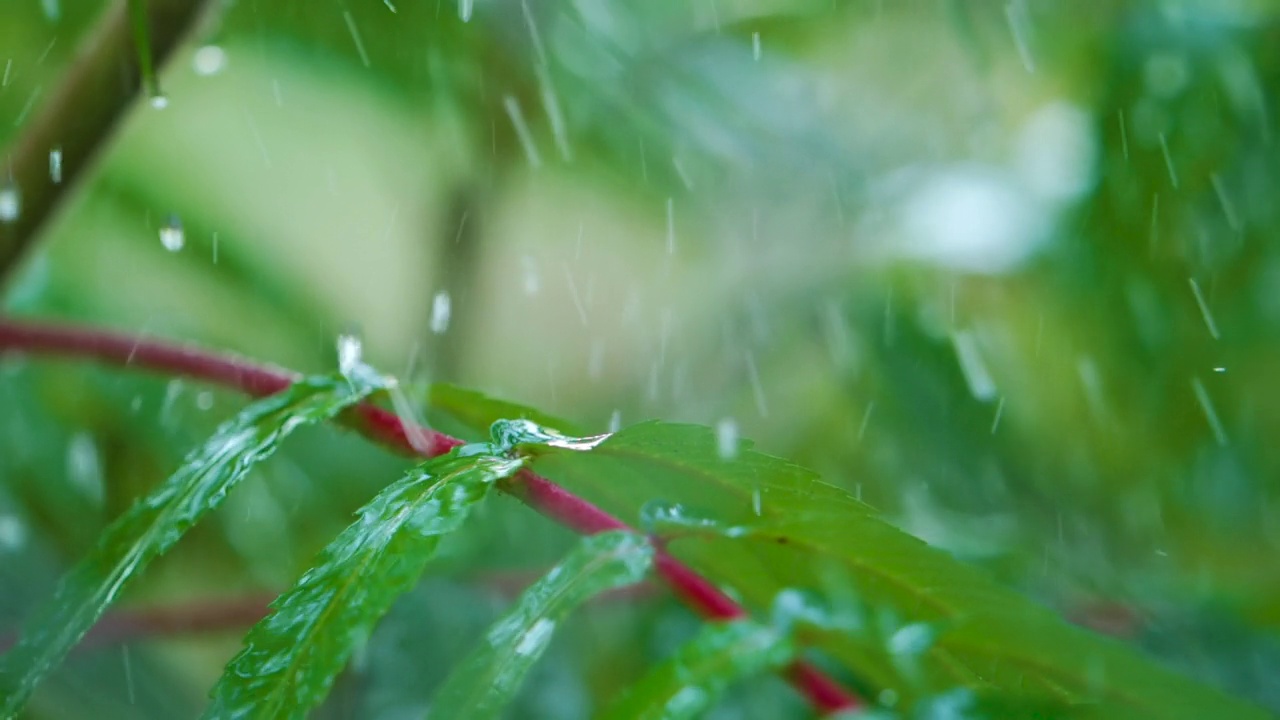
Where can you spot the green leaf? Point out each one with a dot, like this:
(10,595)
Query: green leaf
(154,524)
(490,676)
(476,411)
(761,525)
(690,683)
(290,658)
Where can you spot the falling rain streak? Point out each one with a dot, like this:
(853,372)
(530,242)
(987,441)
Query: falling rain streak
(1204,308)
(512,107)
(1168,161)
(1210,414)
(355,36)
(671,226)
(1015,12)
(1228,208)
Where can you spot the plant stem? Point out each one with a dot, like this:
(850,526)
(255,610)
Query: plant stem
(378,424)
(78,118)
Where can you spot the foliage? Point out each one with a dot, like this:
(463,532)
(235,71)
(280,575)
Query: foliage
(998,280)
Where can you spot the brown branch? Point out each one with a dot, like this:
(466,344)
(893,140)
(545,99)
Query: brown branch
(537,492)
(80,116)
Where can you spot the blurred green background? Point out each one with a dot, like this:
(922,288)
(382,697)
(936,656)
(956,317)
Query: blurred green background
(1006,270)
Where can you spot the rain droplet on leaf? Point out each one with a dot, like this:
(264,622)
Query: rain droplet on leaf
(159,101)
(349,351)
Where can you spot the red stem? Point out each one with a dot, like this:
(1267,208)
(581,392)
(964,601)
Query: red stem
(537,492)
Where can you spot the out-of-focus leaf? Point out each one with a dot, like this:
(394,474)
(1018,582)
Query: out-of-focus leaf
(762,525)
(154,524)
(689,683)
(483,684)
(291,657)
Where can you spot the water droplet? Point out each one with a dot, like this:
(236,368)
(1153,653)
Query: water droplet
(10,202)
(350,350)
(13,533)
(209,60)
(1204,308)
(727,439)
(615,421)
(172,236)
(55,164)
(512,106)
(663,517)
(755,46)
(204,400)
(465,8)
(912,639)
(84,467)
(972,366)
(52,9)
(535,638)
(159,101)
(1210,414)
(441,309)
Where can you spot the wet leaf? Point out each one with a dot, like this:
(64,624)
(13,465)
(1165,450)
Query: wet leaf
(690,682)
(762,525)
(291,657)
(154,524)
(486,681)
(476,412)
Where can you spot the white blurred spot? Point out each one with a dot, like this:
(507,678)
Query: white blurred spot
(209,60)
(159,101)
(441,309)
(1057,153)
(13,533)
(10,202)
(727,438)
(55,164)
(529,275)
(84,467)
(972,218)
(172,236)
(350,349)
